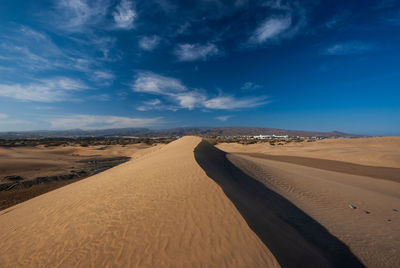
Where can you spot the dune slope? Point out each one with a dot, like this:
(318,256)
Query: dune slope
(295,239)
(159,210)
(370,227)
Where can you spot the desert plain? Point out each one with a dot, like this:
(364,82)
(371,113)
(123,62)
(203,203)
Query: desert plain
(329,203)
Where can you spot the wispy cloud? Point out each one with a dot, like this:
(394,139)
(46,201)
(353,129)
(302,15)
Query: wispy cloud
(29,49)
(103,77)
(250,86)
(124,15)
(149,43)
(270,29)
(78,15)
(90,122)
(348,48)
(338,19)
(26,51)
(183,97)
(156,104)
(149,105)
(224,118)
(152,83)
(230,102)
(289,19)
(46,90)
(193,52)
(3,116)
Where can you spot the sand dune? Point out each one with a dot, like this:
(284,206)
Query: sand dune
(189,204)
(157,210)
(371,230)
(295,239)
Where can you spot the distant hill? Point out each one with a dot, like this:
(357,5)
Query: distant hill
(242,131)
(142,132)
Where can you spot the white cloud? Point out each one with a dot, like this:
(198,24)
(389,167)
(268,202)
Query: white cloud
(190,99)
(230,102)
(156,104)
(183,97)
(3,116)
(270,29)
(46,90)
(149,105)
(193,52)
(152,83)
(25,51)
(103,78)
(76,15)
(224,118)
(153,102)
(90,122)
(149,43)
(250,86)
(103,75)
(29,49)
(124,15)
(347,48)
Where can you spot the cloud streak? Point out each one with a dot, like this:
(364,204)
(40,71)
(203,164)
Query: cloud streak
(182,97)
(78,15)
(223,118)
(194,52)
(91,122)
(46,90)
(348,48)
(270,29)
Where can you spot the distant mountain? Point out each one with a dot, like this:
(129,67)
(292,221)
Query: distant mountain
(142,132)
(242,131)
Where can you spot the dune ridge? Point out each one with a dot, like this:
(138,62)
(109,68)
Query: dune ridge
(157,210)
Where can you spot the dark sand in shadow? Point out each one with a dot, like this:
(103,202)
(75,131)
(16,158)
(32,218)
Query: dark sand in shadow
(295,239)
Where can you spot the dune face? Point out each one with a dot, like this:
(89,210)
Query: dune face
(157,210)
(28,171)
(295,239)
(361,211)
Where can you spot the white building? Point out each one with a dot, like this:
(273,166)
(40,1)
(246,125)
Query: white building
(262,137)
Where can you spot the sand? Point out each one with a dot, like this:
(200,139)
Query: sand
(157,210)
(189,204)
(31,162)
(324,189)
(379,151)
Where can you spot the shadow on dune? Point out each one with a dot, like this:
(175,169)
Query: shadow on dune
(295,239)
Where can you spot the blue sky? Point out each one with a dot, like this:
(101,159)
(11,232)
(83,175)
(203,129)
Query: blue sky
(310,65)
